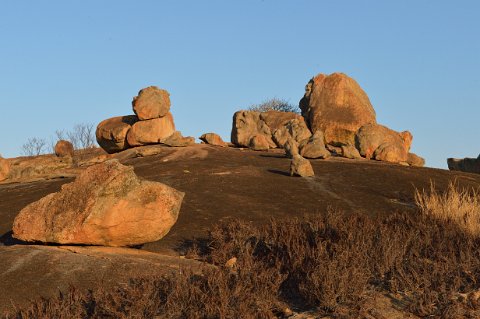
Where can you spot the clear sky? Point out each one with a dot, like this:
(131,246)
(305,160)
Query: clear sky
(67,62)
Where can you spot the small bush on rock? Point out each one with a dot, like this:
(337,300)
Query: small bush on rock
(274,104)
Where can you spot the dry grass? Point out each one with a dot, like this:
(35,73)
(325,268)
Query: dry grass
(461,206)
(330,263)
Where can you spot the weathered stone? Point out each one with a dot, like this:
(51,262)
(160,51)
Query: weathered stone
(295,128)
(314,147)
(151,103)
(291,148)
(107,204)
(277,119)
(349,151)
(415,160)
(336,105)
(178,140)
(64,148)
(469,165)
(112,133)
(4,169)
(151,131)
(383,144)
(259,143)
(247,124)
(213,139)
(301,167)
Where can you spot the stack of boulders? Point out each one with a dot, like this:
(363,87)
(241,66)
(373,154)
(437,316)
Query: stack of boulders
(151,124)
(337,117)
(107,204)
(469,165)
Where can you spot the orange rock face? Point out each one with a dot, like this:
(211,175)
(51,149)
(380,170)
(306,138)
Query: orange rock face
(151,131)
(336,105)
(106,205)
(381,143)
(213,139)
(4,169)
(112,133)
(151,103)
(64,148)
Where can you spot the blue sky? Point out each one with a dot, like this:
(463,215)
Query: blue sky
(67,62)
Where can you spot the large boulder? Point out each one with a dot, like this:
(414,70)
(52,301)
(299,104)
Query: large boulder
(300,166)
(4,169)
(151,103)
(112,133)
(107,205)
(64,148)
(336,105)
(469,165)
(381,143)
(213,139)
(152,131)
(247,124)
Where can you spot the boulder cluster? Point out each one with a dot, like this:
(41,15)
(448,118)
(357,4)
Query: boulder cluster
(152,124)
(337,119)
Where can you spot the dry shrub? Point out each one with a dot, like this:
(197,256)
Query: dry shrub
(322,257)
(461,206)
(210,293)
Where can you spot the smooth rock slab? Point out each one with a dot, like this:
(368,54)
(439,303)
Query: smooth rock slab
(106,205)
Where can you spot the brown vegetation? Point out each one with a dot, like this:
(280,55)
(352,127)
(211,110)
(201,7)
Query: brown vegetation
(461,206)
(330,262)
